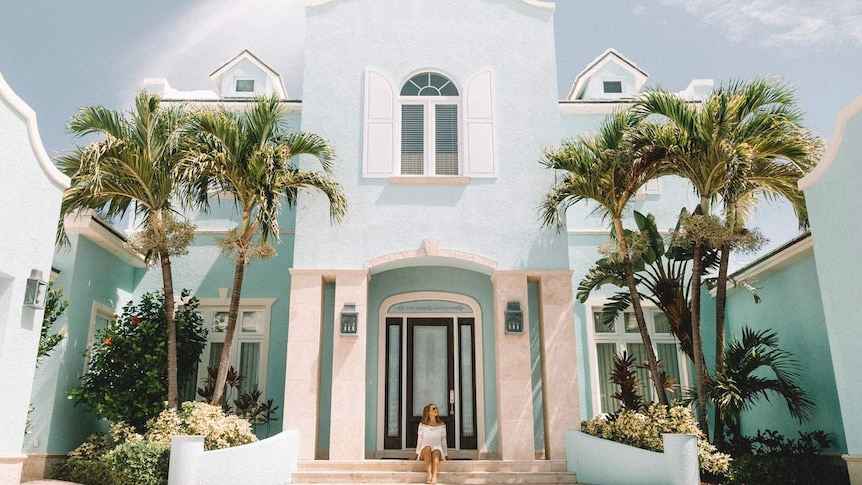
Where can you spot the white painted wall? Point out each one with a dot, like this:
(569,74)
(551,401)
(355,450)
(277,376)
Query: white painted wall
(30,193)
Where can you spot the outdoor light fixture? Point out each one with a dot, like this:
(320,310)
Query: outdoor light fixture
(34,295)
(349,319)
(514,317)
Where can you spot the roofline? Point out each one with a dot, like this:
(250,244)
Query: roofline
(844,116)
(599,59)
(256,59)
(778,257)
(25,111)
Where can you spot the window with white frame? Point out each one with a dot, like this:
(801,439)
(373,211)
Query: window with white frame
(429,125)
(242,85)
(624,335)
(101,318)
(250,344)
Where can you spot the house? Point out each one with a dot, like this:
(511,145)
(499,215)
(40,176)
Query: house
(454,292)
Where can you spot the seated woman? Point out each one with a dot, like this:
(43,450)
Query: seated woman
(431,442)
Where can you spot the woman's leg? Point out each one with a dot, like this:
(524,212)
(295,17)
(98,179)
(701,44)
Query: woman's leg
(426,456)
(436,456)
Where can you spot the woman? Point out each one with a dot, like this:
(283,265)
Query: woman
(431,441)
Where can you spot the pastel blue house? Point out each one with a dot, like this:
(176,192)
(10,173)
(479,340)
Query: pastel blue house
(440,285)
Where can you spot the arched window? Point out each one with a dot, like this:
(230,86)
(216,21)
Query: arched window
(429,125)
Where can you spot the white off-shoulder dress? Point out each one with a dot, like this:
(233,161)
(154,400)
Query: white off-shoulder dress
(433,437)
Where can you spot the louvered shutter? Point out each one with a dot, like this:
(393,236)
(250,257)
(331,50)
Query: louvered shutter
(379,153)
(480,127)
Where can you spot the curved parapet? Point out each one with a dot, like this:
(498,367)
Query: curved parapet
(844,116)
(23,109)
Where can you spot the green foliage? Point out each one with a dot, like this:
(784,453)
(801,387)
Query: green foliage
(219,430)
(624,376)
(771,459)
(127,375)
(249,406)
(55,305)
(84,464)
(139,463)
(644,429)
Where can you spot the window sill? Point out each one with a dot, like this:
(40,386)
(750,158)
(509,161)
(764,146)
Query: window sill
(430,180)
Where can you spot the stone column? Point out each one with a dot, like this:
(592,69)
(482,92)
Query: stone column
(559,361)
(302,375)
(347,428)
(514,382)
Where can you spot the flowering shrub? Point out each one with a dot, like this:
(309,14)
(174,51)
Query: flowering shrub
(198,418)
(126,379)
(644,429)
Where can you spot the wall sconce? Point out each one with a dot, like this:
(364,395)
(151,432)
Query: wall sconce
(514,317)
(349,319)
(34,294)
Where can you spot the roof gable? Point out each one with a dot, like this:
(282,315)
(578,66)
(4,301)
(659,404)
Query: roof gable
(610,67)
(247,76)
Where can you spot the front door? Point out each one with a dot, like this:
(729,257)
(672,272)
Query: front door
(430,360)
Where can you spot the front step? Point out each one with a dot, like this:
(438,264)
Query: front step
(468,472)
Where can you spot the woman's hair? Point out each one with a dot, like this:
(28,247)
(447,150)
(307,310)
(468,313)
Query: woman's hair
(426,415)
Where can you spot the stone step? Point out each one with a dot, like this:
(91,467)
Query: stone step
(480,472)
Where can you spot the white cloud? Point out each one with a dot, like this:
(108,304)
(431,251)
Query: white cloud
(639,10)
(781,22)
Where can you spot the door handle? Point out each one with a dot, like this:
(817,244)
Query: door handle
(451,402)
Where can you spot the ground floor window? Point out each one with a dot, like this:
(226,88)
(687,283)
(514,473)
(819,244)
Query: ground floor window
(249,351)
(623,335)
(101,318)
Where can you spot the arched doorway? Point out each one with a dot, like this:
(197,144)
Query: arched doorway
(431,352)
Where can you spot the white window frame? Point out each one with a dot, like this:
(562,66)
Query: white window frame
(97,310)
(620,338)
(236,81)
(208,307)
(651,187)
(430,127)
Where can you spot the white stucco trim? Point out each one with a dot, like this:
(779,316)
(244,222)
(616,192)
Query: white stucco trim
(86,224)
(844,116)
(23,109)
(534,3)
(479,384)
(430,254)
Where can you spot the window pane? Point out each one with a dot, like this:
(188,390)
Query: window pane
(599,326)
(219,322)
(245,85)
(249,365)
(605,354)
(412,139)
(661,323)
(215,354)
(393,382)
(669,356)
(410,89)
(446,125)
(631,323)
(615,87)
(467,428)
(430,385)
(252,322)
(639,351)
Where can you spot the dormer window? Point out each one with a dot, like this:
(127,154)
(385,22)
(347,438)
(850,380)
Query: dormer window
(244,86)
(429,125)
(613,87)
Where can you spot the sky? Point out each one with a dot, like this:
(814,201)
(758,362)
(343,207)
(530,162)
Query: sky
(59,55)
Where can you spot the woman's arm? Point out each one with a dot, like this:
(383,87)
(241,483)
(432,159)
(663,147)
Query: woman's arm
(420,439)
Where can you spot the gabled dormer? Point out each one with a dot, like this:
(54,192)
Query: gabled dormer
(246,76)
(611,76)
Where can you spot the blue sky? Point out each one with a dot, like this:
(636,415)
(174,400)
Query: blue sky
(61,55)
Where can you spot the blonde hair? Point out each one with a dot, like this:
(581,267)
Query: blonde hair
(426,415)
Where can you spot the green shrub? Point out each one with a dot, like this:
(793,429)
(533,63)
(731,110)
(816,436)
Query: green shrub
(139,463)
(84,464)
(127,375)
(644,429)
(772,459)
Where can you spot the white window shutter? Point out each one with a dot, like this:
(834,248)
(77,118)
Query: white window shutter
(480,127)
(379,150)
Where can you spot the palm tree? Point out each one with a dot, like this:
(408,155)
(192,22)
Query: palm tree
(133,169)
(608,169)
(250,155)
(755,368)
(744,140)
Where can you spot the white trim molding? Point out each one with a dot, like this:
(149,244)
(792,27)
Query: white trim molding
(844,116)
(26,112)
(431,254)
(88,225)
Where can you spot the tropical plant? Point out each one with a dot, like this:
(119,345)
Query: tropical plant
(756,368)
(628,385)
(248,405)
(745,140)
(607,169)
(771,459)
(55,305)
(133,169)
(251,155)
(126,375)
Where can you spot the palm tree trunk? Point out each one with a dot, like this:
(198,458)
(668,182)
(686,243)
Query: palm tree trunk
(233,313)
(170,319)
(720,311)
(652,361)
(697,339)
